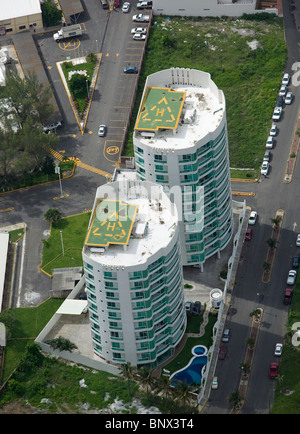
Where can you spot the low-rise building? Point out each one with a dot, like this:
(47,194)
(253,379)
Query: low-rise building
(19,15)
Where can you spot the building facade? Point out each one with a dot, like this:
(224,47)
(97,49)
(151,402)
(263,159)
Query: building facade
(133,274)
(19,15)
(180,141)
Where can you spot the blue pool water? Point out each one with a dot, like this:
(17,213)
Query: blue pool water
(192,372)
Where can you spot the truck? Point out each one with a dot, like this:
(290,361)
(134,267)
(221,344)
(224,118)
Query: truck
(68,32)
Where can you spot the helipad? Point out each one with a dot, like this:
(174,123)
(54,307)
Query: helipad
(161,108)
(112,223)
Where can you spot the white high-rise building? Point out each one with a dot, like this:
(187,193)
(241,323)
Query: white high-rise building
(133,273)
(180,141)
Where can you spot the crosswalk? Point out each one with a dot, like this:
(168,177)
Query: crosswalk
(79,163)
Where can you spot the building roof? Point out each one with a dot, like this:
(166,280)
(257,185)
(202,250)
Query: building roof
(19,8)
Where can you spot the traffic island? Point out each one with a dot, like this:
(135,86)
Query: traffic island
(244,379)
(291,161)
(268,264)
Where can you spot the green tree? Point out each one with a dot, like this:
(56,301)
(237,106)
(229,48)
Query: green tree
(62,344)
(78,84)
(128,372)
(51,14)
(183,392)
(145,377)
(53,215)
(235,399)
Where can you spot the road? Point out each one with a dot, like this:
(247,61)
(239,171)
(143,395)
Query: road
(249,292)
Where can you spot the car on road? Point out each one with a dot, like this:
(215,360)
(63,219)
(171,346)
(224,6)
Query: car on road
(288,98)
(140,18)
(273,371)
(222,352)
(130,70)
(282,90)
(288,295)
(144,5)
(270,142)
(267,155)
(188,306)
(102,130)
(140,30)
(295,261)
(226,335)
(298,240)
(126,7)
(47,129)
(285,79)
(139,37)
(291,277)
(277,113)
(273,130)
(278,349)
(279,101)
(215,383)
(248,234)
(252,218)
(196,308)
(265,168)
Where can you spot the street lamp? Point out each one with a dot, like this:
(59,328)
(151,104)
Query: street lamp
(57,170)
(62,243)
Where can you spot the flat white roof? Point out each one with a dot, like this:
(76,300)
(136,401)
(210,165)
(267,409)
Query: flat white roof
(19,8)
(72,307)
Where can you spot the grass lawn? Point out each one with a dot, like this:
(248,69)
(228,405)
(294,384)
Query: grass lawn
(287,393)
(74,230)
(249,78)
(27,323)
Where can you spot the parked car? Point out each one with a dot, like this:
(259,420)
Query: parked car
(279,102)
(298,240)
(291,277)
(270,142)
(283,90)
(285,79)
(226,335)
(248,234)
(130,70)
(277,113)
(288,98)
(117,3)
(252,218)
(47,129)
(102,130)
(140,30)
(278,349)
(188,306)
(126,7)
(144,5)
(139,37)
(295,261)
(273,130)
(222,352)
(273,371)
(265,168)
(288,295)
(140,18)
(215,383)
(267,155)
(196,308)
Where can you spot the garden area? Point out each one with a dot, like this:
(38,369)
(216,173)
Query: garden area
(246,59)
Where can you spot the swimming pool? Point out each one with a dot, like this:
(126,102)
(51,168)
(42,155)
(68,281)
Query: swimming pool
(192,372)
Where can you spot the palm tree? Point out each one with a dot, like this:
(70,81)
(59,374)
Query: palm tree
(182,391)
(272,243)
(245,367)
(128,372)
(276,221)
(164,386)
(267,266)
(235,398)
(145,376)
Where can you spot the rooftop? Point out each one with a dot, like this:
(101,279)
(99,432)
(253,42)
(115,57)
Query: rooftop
(19,8)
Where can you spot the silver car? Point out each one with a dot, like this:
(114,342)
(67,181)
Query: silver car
(291,277)
(102,130)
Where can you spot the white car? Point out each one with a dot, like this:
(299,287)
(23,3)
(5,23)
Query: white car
(282,90)
(278,349)
(139,30)
(291,277)
(126,7)
(270,142)
(298,240)
(215,383)
(277,113)
(140,18)
(265,168)
(102,130)
(288,98)
(285,79)
(188,306)
(252,218)
(139,37)
(273,130)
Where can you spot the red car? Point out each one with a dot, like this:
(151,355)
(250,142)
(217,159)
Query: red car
(222,352)
(273,371)
(248,234)
(287,299)
(117,3)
